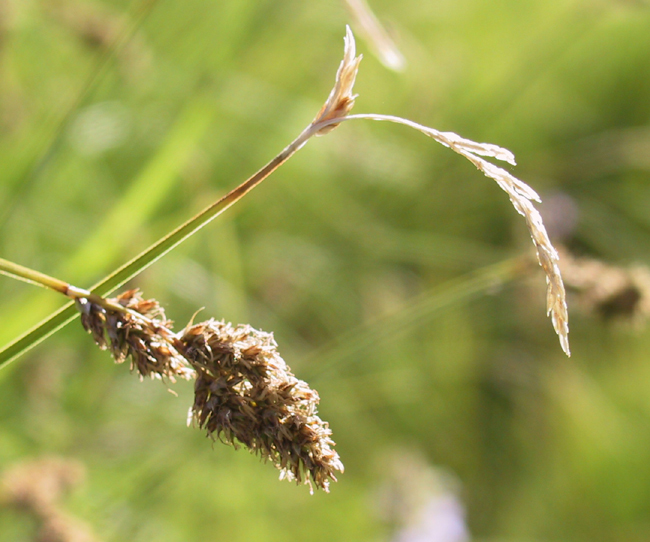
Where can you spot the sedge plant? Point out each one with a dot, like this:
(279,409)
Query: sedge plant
(245,394)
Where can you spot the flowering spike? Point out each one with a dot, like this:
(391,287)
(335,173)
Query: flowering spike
(246,394)
(340,101)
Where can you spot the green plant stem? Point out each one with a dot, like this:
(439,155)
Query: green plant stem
(31,276)
(156,251)
(106,286)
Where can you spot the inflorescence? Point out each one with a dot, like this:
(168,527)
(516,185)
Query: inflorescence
(244,391)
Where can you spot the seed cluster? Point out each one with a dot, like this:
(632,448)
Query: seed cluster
(244,391)
(142,334)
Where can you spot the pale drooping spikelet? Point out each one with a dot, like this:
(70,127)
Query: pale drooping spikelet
(340,101)
(337,109)
(610,291)
(245,393)
(141,333)
(520,195)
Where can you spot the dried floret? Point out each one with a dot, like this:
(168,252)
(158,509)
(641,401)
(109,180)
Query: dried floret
(246,394)
(140,332)
(340,101)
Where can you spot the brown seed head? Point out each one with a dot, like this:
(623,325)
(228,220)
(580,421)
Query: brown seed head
(245,393)
(142,334)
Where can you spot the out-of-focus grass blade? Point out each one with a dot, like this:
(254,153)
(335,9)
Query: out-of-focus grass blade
(40,149)
(148,191)
(415,312)
(152,186)
(385,49)
(149,256)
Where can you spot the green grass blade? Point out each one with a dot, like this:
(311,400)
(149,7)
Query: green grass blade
(41,150)
(157,181)
(37,334)
(63,316)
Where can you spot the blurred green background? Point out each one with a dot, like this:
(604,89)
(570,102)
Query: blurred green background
(375,256)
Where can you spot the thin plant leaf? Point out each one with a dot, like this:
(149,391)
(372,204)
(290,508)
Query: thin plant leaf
(337,105)
(99,253)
